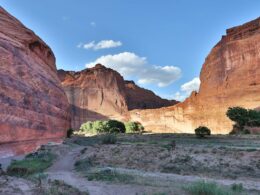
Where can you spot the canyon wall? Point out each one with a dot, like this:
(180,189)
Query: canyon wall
(140,98)
(229,77)
(33,105)
(100,93)
(94,94)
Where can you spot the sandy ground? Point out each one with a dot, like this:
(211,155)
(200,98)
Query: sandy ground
(158,168)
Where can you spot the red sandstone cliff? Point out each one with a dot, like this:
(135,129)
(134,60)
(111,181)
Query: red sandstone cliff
(94,94)
(32,102)
(230,76)
(140,98)
(101,93)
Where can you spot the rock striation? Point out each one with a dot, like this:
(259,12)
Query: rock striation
(100,93)
(32,102)
(140,98)
(229,77)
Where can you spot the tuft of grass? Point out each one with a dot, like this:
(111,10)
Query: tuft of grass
(237,187)
(58,187)
(109,139)
(110,176)
(33,163)
(208,188)
(83,165)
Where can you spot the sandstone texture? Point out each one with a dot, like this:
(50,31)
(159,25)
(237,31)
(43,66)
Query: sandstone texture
(140,98)
(100,93)
(33,104)
(94,94)
(229,77)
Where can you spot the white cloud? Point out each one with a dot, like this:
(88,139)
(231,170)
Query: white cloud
(131,65)
(178,96)
(104,44)
(187,88)
(190,86)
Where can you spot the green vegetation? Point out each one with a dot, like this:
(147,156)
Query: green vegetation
(110,126)
(70,132)
(115,126)
(31,164)
(207,188)
(133,127)
(202,131)
(83,165)
(58,187)
(110,175)
(237,187)
(109,139)
(243,118)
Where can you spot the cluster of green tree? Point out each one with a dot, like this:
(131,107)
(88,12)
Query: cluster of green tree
(243,118)
(111,126)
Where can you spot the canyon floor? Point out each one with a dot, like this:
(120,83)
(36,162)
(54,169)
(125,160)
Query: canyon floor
(150,164)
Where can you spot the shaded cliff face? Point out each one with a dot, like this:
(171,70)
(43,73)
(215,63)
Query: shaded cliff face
(100,93)
(32,102)
(94,94)
(229,77)
(140,98)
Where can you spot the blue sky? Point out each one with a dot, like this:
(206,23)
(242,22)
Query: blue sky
(160,44)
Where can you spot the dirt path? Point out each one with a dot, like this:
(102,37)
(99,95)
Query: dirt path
(63,169)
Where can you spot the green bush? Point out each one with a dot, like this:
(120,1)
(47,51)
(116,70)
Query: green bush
(115,126)
(207,188)
(109,139)
(202,131)
(32,163)
(238,115)
(69,132)
(133,127)
(237,187)
(242,118)
(110,126)
(110,175)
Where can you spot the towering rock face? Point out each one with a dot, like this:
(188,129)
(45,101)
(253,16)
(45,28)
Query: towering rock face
(94,94)
(100,93)
(229,77)
(140,98)
(32,102)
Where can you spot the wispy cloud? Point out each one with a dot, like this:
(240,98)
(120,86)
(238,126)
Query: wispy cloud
(104,44)
(131,65)
(187,88)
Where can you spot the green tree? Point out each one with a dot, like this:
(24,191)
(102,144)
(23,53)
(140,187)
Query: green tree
(202,131)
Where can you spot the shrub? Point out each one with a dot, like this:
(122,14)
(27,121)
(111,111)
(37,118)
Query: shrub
(202,131)
(58,187)
(238,115)
(110,175)
(206,188)
(243,117)
(109,139)
(237,187)
(133,127)
(115,126)
(87,127)
(69,132)
(94,127)
(32,163)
